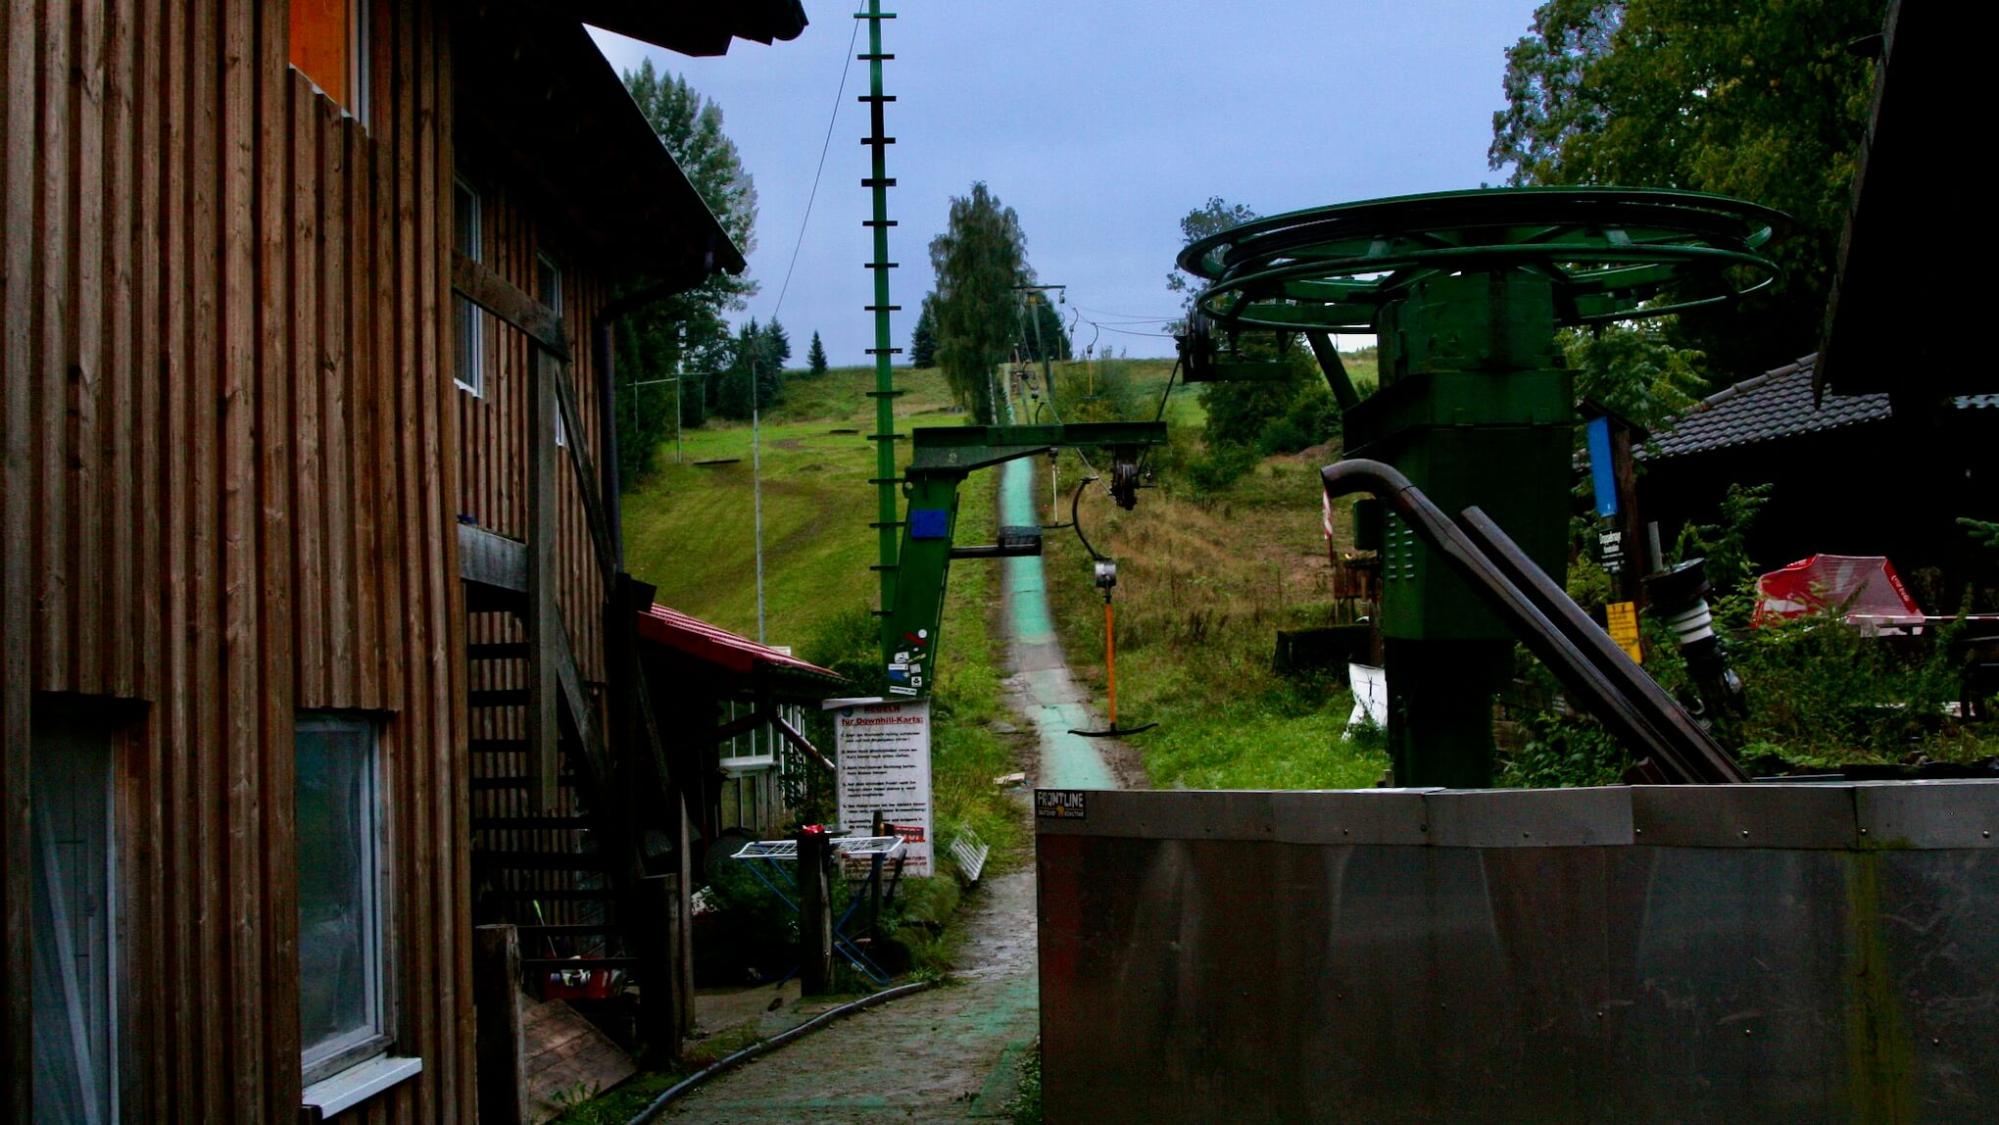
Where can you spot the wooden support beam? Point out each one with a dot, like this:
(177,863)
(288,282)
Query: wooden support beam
(734,727)
(496,999)
(543,618)
(660,996)
(491,559)
(586,477)
(483,286)
(799,742)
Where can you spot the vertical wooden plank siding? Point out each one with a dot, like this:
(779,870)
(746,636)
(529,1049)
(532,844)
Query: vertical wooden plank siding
(18,172)
(227,487)
(493,426)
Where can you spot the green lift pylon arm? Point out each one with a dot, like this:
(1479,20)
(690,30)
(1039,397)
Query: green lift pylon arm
(941,457)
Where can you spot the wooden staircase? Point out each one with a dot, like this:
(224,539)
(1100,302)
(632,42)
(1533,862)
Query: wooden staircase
(538,865)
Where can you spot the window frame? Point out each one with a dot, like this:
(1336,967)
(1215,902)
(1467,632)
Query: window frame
(330,1060)
(474,363)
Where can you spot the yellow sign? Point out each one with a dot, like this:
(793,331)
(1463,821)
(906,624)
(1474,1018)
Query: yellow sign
(1622,617)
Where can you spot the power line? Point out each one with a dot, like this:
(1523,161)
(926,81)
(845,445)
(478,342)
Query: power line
(1128,316)
(824,147)
(1130,332)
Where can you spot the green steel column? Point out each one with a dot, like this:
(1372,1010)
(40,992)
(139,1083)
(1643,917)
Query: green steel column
(913,631)
(1475,409)
(885,480)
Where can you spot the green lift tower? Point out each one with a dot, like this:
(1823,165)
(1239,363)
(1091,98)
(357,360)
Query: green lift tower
(1464,292)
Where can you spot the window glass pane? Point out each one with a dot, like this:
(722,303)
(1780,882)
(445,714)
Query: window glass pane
(74,1028)
(548,283)
(467,342)
(468,357)
(338,909)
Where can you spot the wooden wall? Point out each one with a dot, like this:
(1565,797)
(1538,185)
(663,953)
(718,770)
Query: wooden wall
(493,427)
(229,427)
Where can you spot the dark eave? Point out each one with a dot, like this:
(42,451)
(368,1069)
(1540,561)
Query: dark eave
(538,104)
(1901,313)
(695,28)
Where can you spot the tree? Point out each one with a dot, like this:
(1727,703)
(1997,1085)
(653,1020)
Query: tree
(923,339)
(1238,414)
(979,258)
(1052,336)
(1212,217)
(1765,102)
(689,331)
(815,357)
(777,343)
(743,383)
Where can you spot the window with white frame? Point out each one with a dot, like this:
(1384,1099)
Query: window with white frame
(343,935)
(548,285)
(74,1004)
(469,324)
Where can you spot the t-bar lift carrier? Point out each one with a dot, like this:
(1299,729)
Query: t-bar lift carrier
(941,457)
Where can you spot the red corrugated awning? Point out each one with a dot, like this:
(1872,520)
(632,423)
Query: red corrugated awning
(714,645)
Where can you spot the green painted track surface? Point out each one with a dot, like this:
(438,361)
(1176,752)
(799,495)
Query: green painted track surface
(1053,701)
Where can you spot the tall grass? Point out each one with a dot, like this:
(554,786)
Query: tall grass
(1207,575)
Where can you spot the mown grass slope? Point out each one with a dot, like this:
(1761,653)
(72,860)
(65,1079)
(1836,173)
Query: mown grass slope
(689,527)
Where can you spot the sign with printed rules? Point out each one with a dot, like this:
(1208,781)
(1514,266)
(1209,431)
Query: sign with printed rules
(883,757)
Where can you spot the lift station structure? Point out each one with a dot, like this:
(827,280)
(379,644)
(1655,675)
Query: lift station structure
(1465,292)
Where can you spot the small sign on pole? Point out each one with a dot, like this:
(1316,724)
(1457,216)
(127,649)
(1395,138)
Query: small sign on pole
(883,760)
(1621,618)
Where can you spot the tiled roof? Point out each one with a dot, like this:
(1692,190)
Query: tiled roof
(1776,404)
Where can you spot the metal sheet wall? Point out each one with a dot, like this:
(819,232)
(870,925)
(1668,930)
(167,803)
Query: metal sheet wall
(1781,953)
(228,470)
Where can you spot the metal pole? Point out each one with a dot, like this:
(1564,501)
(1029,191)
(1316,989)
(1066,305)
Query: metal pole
(885,480)
(757,490)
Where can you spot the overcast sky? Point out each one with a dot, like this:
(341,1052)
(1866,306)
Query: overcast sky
(1102,124)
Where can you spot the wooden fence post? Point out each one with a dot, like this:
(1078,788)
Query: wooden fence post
(660,995)
(815,917)
(496,995)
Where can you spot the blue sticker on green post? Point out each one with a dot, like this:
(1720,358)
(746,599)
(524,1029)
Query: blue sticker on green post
(929,523)
(1597,431)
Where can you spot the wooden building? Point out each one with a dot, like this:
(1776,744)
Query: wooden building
(240,677)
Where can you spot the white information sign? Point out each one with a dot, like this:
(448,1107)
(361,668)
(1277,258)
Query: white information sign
(883,756)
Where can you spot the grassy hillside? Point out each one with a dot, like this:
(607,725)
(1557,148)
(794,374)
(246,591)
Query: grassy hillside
(688,528)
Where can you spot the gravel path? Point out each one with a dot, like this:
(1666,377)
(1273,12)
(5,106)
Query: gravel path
(942,1055)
